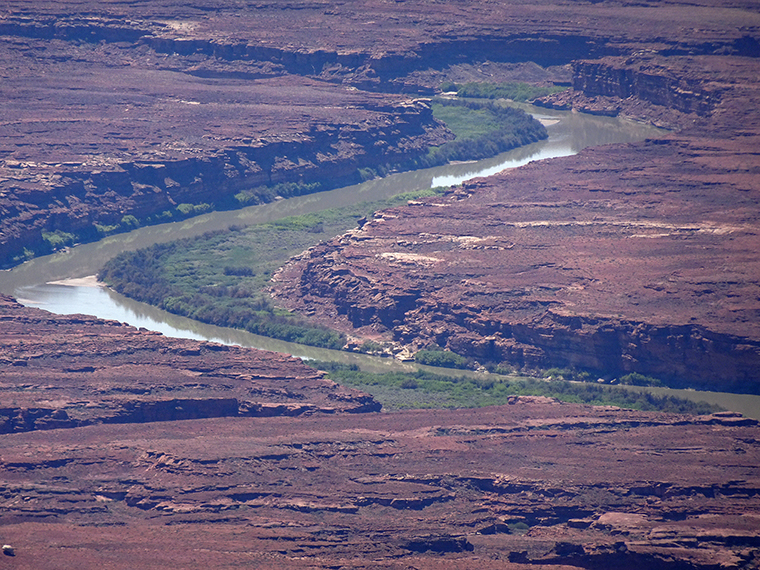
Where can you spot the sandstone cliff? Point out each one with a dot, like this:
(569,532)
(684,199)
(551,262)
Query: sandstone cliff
(636,258)
(69,371)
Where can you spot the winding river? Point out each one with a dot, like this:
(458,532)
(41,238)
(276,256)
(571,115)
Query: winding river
(62,283)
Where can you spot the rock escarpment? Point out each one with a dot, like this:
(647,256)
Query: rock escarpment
(532,484)
(82,162)
(73,371)
(637,258)
(132,114)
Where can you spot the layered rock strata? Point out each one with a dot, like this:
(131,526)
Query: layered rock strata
(535,484)
(66,371)
(146,142)
(125,114)
(636,258)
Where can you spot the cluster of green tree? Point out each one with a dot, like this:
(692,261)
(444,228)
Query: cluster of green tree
(443,359)
(436,356)
(482,129)
(636,379)
(632,379)
(172,278)
(265,194)
(515,91)
(486,390)
(222,277)
(58,239)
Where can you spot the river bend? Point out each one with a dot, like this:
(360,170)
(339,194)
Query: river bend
(62,283)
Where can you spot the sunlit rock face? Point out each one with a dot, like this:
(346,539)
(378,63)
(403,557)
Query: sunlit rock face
(634,258)
(122,449)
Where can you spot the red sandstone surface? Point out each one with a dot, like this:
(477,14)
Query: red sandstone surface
(71,371)
(534,484)
(126,449)
(640,256)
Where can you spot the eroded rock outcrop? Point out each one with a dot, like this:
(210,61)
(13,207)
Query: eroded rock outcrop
(72,371)
(532,484)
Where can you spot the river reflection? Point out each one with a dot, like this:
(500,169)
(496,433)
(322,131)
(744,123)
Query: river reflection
(97,300)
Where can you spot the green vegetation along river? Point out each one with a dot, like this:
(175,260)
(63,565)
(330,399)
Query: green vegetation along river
(34,282)
(569,133)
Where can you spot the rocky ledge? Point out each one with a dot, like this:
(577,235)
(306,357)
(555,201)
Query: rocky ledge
(66,371)
(636,258)
(80,163)
(135,113)
(535,484)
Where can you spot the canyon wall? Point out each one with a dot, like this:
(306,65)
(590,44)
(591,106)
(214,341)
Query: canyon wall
(636,258)
(72,371)
(149,143)
(123,116)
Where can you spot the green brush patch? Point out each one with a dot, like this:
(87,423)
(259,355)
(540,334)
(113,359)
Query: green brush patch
(222,278)
(421,389)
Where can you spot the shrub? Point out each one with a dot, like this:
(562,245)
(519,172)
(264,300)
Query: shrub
(58,238)
(193,209)
(129,221)
(441,358)
(239,271)
(518,527)
(515,91)
(106,229)
(370,346)
(636,379)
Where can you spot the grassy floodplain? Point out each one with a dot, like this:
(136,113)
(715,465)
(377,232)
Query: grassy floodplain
(222,278)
